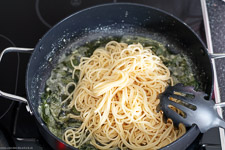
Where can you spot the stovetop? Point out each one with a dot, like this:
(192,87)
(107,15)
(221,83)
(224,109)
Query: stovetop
(23,23)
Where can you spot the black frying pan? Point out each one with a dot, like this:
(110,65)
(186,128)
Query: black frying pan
(113,20)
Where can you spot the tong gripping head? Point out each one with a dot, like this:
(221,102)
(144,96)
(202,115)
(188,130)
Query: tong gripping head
(185,105)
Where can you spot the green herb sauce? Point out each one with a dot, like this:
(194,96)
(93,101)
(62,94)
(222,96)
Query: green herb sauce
(55,115)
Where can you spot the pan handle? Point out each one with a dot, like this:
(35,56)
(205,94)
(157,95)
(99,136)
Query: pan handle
(8,95)
(216,56)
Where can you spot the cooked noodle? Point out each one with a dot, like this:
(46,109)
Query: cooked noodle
(117,97)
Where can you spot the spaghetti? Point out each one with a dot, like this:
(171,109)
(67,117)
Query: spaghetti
(117,97)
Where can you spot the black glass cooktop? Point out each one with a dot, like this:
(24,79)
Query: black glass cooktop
(23,23)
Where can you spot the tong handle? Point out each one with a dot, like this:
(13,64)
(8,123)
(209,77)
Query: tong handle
(222,104)
(220,123)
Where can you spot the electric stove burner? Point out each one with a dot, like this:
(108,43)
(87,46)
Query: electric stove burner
(51,11)
(5,42)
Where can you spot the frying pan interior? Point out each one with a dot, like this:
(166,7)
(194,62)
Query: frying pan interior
(114,21)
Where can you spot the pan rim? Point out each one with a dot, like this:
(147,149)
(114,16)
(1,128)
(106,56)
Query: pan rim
(37,115)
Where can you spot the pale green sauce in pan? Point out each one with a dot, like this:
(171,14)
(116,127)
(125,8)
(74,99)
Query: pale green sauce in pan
(51,109)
